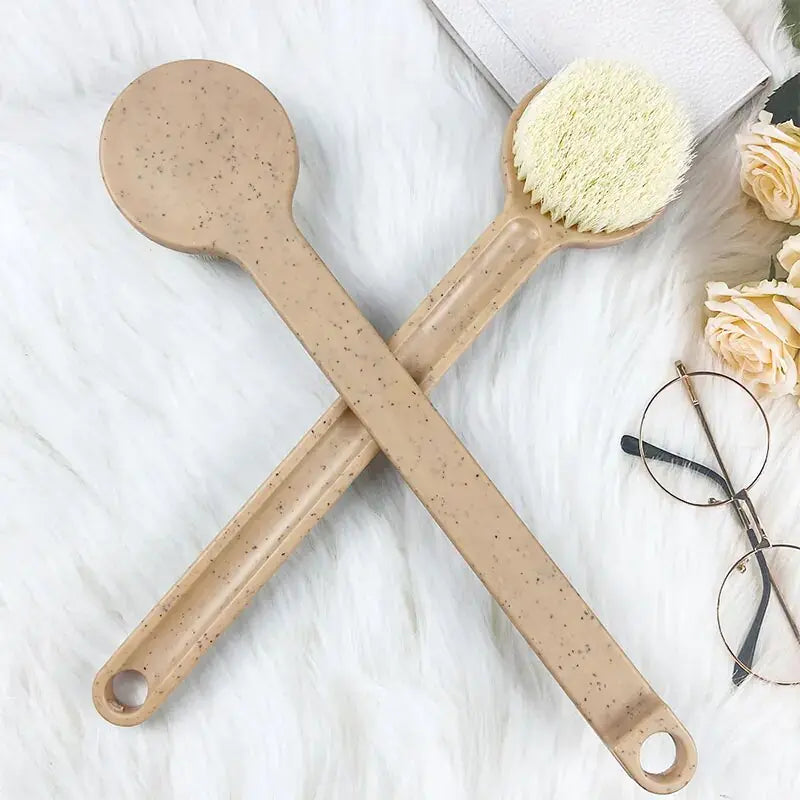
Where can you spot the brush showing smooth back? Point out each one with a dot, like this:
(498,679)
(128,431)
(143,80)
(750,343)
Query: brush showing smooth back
(603,146)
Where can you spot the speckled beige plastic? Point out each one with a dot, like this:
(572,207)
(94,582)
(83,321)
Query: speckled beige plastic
(200,157)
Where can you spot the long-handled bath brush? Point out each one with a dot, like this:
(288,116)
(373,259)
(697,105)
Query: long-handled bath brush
(200,157)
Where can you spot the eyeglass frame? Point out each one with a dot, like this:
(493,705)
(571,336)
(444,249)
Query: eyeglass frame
(742,506)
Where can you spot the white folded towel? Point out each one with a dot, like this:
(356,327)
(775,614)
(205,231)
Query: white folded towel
(688,44)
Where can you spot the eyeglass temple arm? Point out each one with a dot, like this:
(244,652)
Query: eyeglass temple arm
(748,649)
(630,445)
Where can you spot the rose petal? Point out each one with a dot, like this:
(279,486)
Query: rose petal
(792,315)
(759,310)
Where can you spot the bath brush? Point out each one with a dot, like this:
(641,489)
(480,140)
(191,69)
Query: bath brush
(200,157)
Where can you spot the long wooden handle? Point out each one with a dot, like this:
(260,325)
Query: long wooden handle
(537,597)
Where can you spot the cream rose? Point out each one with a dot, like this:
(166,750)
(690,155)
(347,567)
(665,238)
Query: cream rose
(789,259)
(771,167)
(755,328)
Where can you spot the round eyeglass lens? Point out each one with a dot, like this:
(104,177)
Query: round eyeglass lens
(702,437)
(758,612)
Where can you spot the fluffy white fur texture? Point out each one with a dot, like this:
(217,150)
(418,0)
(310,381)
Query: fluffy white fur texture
(145,394)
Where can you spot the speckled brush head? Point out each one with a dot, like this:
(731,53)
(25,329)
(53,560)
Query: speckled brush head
(603,146)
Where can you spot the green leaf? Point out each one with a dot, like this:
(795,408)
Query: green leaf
(784,102)
(791,20)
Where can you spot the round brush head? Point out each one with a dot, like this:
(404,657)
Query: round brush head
(603,146)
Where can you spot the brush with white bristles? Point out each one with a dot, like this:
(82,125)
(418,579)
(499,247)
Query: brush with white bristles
(602,147)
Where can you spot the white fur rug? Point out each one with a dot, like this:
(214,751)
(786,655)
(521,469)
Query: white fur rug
(145,394)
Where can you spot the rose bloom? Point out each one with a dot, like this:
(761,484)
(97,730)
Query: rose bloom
(755,329)
(771,167)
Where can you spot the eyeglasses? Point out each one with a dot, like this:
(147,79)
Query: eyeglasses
(758,605)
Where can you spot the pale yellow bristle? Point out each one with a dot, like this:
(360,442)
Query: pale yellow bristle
(603,146)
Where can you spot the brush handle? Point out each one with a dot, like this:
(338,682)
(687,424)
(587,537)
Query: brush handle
(591,668)
(562,630)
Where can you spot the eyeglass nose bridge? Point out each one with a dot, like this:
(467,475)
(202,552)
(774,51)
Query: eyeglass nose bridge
(755,530)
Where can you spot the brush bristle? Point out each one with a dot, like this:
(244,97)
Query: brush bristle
(603,146)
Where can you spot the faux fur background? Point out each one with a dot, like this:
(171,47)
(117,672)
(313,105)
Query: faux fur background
(145,394)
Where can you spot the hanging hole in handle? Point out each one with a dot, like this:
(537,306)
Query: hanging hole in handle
(658,753)
(127,690)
